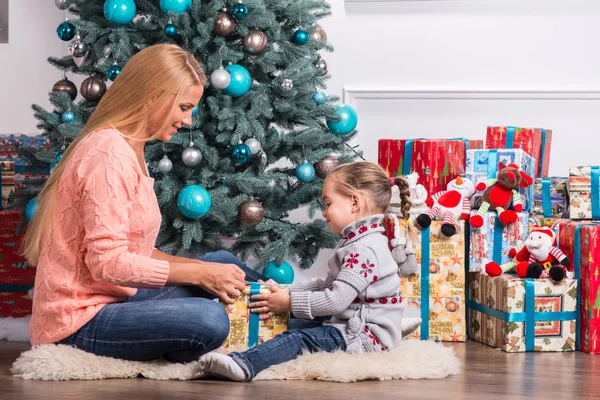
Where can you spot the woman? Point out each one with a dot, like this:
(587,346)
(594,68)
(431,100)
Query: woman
(93,233)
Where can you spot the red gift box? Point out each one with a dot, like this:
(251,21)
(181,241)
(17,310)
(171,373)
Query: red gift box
(15,304)
(534,141)
(15,272)
(437,161)
(585,252)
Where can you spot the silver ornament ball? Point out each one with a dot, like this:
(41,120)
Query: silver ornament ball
(321,66)
(165,165)
(107,50)
(255,42)
(61,4)
(318,36)
(80,60)
(220,79)
(286,84)
(254,146)
(78,49)
(191,156)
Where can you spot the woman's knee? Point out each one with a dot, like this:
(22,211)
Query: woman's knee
(222,257)
(202,321)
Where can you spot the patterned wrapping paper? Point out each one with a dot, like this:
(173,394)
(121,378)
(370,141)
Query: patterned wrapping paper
(535,141)
(488,239)
(584,193)
(239,318)
(15,305)
(9,145)
(7,182)
(482,165)
(586,253)
(507,293)
(438,161)
(447,310)
(15,272)
(556,189)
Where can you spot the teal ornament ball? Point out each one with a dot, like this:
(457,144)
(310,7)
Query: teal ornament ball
(348,120)
(194,201)
(31,208)
(66,31)
(319,97)
(68,116)
(241,153)
(305,172)
(240,11)
(281,273)
(195,110)
(170,30)
(113,72)
(176,6)
(240,80)
(301,37)
(119,12)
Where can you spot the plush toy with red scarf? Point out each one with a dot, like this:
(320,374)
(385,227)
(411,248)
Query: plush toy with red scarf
(539,258)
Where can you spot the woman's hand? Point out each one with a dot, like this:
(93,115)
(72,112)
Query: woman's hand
(224,280)
(269,304)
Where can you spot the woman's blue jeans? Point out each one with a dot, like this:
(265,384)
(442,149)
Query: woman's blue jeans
(177,323)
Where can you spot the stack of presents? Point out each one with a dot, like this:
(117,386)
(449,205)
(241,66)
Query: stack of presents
(17,186)
(507,255)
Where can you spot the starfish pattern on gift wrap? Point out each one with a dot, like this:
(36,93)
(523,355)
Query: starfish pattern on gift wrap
(456,337)
(457,259)
(437,299)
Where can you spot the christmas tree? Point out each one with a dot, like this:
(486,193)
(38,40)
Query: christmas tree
(261,132)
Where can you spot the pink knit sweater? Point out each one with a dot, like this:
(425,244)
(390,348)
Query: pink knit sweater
(107,220)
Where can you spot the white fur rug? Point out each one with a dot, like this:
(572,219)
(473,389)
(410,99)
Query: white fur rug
(411,360)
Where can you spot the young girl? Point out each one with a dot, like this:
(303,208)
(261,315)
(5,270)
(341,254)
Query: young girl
(361,290)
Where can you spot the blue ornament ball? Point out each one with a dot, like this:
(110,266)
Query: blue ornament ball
(52,166)
(176,6)
(170,30)
(301,37)
(68,116)
(240,153)
(31,208)
(282,273)
(119,12)
(194,201)
(240,11)
(66,31)
(113,72)
(240,80)
(195,110)
(319,97)
(348,121)
(59,155)
(305,172)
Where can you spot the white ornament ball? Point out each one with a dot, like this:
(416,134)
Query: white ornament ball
(220,79)
(191,156)
(287,84)
(254,146)
(165,165)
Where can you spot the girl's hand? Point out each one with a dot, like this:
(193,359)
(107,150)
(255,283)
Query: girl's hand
(269,304)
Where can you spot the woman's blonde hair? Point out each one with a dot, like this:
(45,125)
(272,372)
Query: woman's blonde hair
(371,183)
(146,83)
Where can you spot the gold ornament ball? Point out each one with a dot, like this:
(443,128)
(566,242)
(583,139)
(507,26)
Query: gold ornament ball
(224,24)
(318,34)
(255,42)
(65,85)
(251,212)
(93,88)
(326,166)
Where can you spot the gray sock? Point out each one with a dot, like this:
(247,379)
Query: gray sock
(223,366)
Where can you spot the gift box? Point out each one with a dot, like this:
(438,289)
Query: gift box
(9,147)
(580,241)
(584,192)
(246,328)
(15,304)
(551,197)
(437,161)
(493,241)
(15,272)
(517,315)
(482,165)
(7,182)
(437,292)
(534,141)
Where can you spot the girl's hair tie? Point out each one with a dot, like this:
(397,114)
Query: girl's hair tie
(392,182)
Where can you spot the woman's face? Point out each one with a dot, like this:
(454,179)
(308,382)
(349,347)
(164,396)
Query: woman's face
(181,115)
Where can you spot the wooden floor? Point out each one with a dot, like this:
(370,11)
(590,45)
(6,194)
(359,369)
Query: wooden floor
(487,374)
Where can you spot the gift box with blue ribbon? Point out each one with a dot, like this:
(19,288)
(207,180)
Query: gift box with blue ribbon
(551,197)
(584,192)
(436,293)
(518,315)
(247,329)
(534,141)
(493,241)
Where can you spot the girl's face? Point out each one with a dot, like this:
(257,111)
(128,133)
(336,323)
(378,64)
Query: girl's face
(181,115)
(340,210)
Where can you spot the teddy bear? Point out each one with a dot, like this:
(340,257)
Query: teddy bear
(449,205)
(500,193)
(537,258)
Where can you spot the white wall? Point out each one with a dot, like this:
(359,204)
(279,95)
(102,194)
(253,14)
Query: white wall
(411,68)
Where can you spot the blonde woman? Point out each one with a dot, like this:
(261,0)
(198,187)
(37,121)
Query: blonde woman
(101,285)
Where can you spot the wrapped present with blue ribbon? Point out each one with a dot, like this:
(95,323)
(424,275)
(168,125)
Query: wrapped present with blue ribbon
(436,293)
(584,192)
(551,197)
(518,315)
(493,241)
(482,165)
(246,328)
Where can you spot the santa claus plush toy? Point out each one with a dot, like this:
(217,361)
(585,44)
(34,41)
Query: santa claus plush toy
(539,258)
(449,205)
